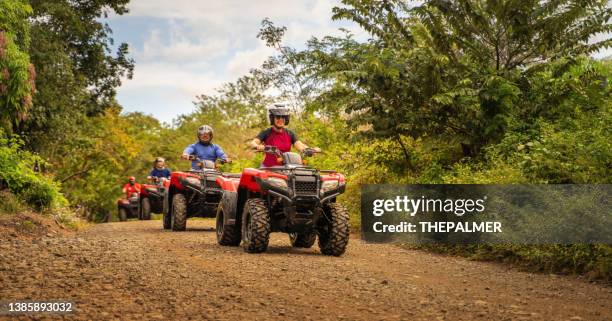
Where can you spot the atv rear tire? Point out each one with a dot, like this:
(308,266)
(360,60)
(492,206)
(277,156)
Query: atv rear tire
(122,215)
(145,209)
(334,238)
(305,240)
(228,235)
(179,212)
(255,226)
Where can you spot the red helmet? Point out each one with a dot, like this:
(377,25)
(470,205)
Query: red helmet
(131,178)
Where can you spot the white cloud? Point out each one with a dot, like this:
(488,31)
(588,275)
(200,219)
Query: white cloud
(161,74)
(174,45)
(199,45)
(245,60)
(228,11)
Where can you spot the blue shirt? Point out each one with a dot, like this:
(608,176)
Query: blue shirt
(164,172)
(210,152)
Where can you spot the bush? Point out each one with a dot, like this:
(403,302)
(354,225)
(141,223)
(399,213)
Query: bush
(10,203)
(18,175)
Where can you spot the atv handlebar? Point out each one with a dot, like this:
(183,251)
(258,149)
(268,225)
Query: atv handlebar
(269,149)
(218,160)
(202,162)
(157,179)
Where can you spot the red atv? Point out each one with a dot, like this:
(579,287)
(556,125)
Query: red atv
(292,198)
(152,197)
(129,207)
(193,193)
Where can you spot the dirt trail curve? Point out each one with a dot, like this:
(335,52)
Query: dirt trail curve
(136,271)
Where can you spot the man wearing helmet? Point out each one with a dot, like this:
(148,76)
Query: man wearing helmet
(131,187)
(159,169)
(277,135)
(204,148)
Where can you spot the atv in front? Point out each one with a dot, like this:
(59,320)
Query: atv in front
(291,198)
(193,193)
(129,207)
(152,197)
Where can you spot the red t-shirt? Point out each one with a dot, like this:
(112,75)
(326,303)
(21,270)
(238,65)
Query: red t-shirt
(282,140)
(131,189)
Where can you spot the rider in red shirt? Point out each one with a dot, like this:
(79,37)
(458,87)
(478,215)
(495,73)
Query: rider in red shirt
(277,135)
(131,187)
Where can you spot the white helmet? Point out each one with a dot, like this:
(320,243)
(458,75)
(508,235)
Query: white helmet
(205,129)
(280,110)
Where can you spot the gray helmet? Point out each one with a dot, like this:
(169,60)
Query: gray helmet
(205,129)
(277,110)
(159,159)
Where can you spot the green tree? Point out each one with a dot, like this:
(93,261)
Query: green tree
(77,72)
(17,75)
(454,70)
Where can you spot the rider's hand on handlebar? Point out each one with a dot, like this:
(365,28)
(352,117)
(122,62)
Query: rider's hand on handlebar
(260,147)
(192,157)
(227,160)
(311,151)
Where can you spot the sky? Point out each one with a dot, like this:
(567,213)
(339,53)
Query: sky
(184,48)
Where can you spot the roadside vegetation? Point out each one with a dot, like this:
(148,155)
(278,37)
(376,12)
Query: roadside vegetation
(477,92)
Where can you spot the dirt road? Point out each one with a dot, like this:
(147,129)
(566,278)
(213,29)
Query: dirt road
(135,270)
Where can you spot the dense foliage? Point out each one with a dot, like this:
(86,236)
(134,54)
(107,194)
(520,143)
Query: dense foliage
(18,175)
(16,72)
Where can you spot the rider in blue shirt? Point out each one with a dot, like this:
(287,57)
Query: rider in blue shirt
(204,148)
(159,169)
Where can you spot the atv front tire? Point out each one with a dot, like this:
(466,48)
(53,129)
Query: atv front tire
(122,215)
(255,226)
(334,237)
(145,209)
(305,240)
(228,235)
(179,212)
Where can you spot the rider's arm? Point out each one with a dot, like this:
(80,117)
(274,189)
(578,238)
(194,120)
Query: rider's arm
(188,151)
(300,146)
(257,144)
(219,153)
(296,142)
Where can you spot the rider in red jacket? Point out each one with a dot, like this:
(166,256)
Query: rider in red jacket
(131,187)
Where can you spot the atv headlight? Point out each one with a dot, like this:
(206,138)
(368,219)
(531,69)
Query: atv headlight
(277,182)
(193,181)
(327,186)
